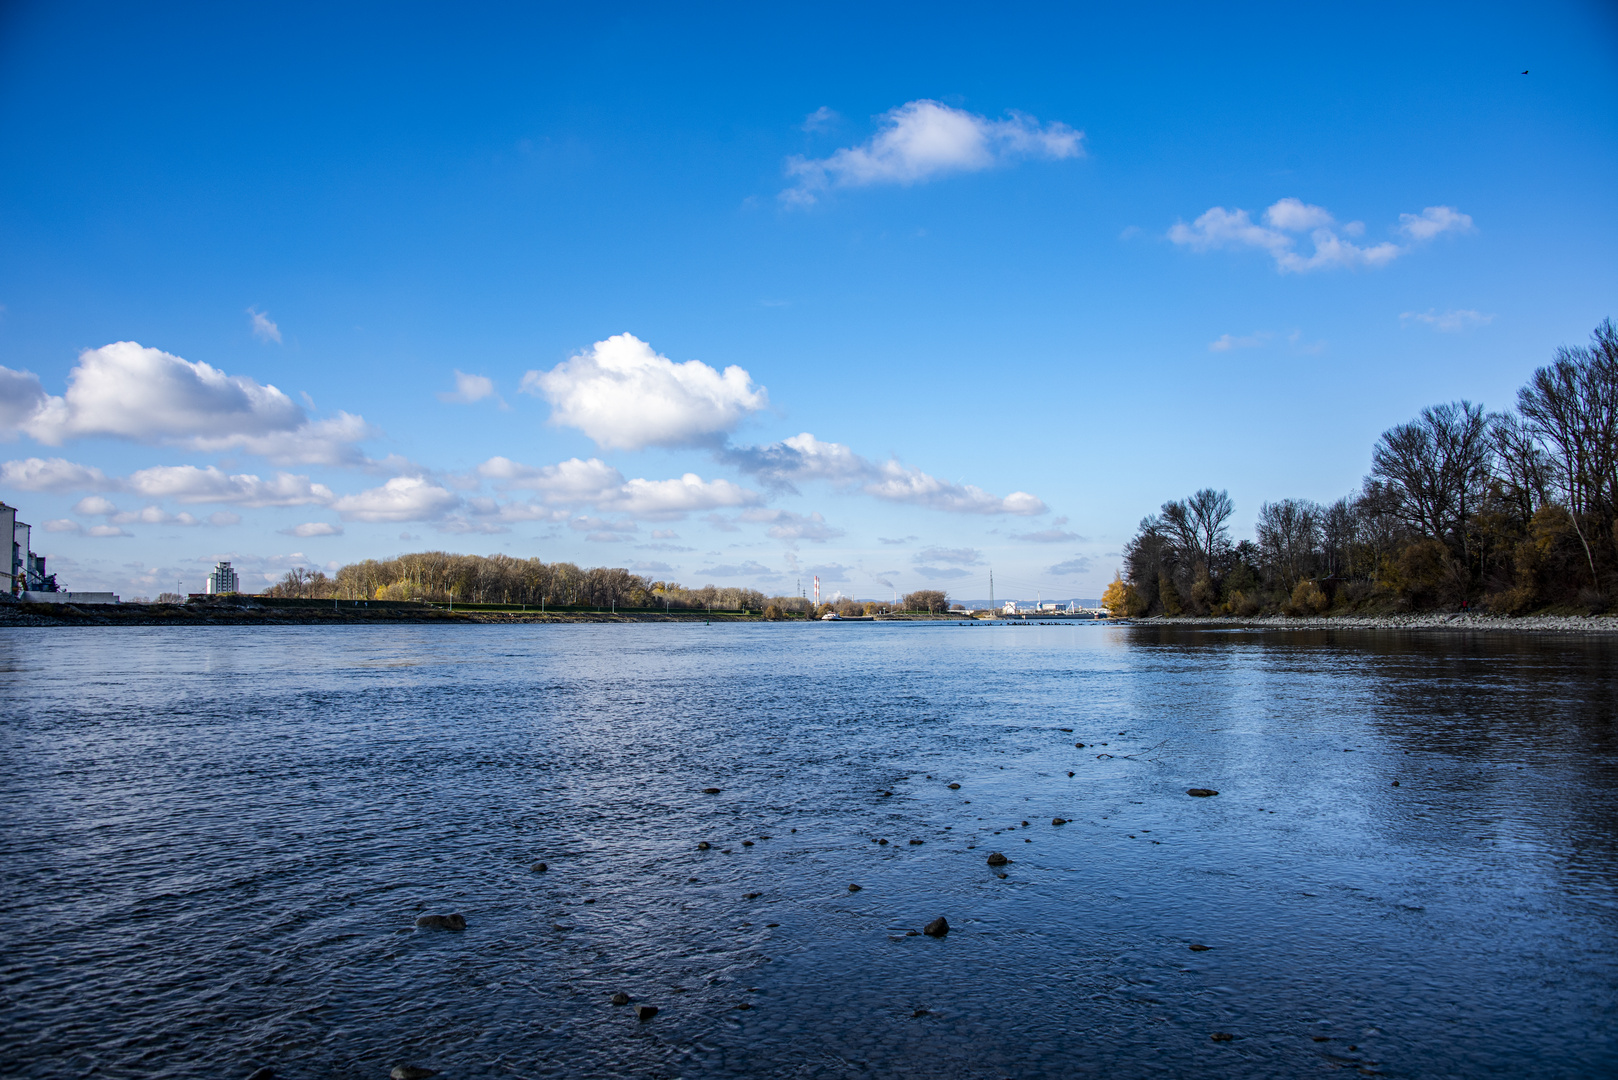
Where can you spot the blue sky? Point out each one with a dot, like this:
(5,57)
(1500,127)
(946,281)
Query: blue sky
(994,284)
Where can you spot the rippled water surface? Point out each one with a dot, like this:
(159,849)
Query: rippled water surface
(217,842)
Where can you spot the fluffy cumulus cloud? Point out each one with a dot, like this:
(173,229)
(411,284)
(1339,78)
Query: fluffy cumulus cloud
(786,525)
(127,391)
(1448,322)
(313,528)
(192,484)
(468,388)
(1289,219)
(625,396)
(804,457)
(404,498)
(923,140)
(595,483)
(53,474)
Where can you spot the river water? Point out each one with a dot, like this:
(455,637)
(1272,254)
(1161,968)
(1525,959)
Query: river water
(217,842)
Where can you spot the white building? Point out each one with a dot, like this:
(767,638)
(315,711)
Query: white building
(222,580)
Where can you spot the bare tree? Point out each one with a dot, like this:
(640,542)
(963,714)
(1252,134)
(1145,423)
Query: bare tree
(1437,465)
(1210,512)
(1289,537)
(1571,406)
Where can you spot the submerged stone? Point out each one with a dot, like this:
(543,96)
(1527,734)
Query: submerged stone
(441,922)
(997,859)
(937,928)
(411,1072)
(1201,792)
(620,998)
(645,1012)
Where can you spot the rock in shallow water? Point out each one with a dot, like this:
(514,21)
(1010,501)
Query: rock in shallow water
(266,1073)
(704,846)
(452,921)
(1201,948)
(620,998)
(540,868)
(645,1012)
(997,859)
(1201,792)
(1221,1036)
(955,787)
(710,791)
(937,928)
(1058,821)
(411,1072)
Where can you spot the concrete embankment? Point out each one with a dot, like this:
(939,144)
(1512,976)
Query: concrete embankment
(1561,624)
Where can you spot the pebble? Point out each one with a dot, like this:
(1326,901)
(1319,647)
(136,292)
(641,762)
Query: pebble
(1201,948)
(1079,745)
(1221,1036)
(710,791)
(919,1013)
(747,843)
(540,868)
(955,787)
(1066,729)
(1201,792)
(1070,772)
(411,1072)
(997,859)
(1025,824)
(885,794)
(704,846)
(937,928)
(917,842)
(884,843)
(1058,821)
(620,998)
(752,896)
(441,922)
(1396,783)
(853,888)
(645,1012)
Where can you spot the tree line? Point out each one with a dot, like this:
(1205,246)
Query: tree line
(442,577)
(1508,512)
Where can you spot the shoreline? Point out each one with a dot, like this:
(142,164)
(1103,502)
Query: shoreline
(316,614)
(1453,621)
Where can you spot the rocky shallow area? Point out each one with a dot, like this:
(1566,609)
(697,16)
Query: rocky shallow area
(1563,624)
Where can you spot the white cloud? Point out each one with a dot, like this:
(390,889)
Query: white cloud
(94,506)
(748,569)
(127,391)
(404,498)
(263,327)
(804,457)
(1079,564)
(786,525)
(313,528)
(105,531)
(957,556)
(188,483)
(626,396)
(63,525)
(665,534)
(945,573)
(1222,228)
(571,481)
(922,140)
(651,568)
(468,388)
(21,394)
(1433,221)
(664,499)
(53,474)
(1449,322)
(1056,535)
(1227,342)
(595,483)
(820,119)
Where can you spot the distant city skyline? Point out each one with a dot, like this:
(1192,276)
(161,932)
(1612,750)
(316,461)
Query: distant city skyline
(888,300)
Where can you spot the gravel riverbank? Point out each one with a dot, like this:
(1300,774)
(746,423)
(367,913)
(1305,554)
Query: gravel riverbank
(1554,624)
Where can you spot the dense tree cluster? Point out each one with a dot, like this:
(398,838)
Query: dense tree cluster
(1507,512)
(441,577)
